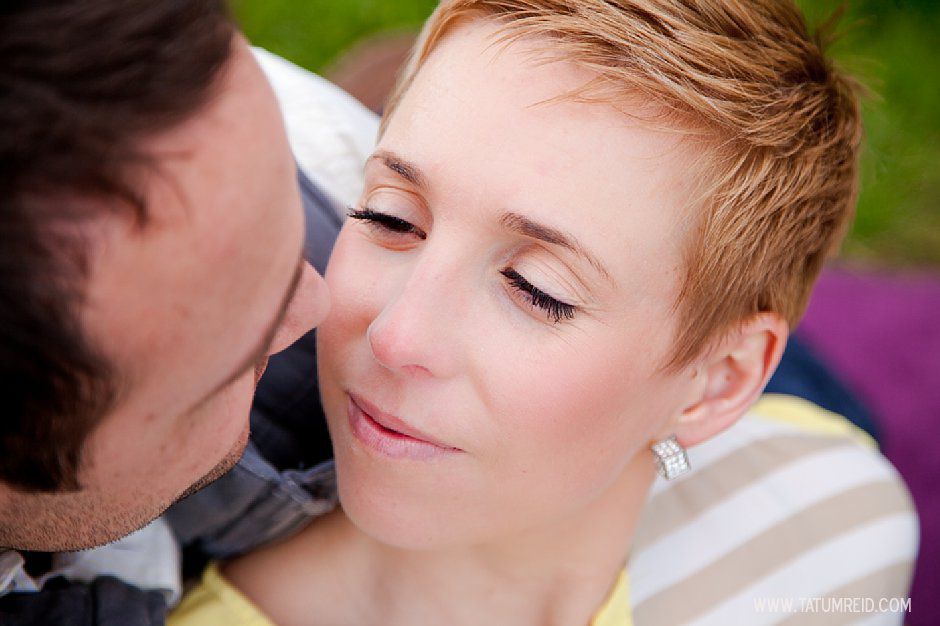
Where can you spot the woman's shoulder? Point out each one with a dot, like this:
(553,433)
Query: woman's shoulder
(215,602)
(263,588)
(793,502)
(285,582)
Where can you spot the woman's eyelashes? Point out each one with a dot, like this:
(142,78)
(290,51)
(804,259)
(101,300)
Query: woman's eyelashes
(387,222)
(556,309)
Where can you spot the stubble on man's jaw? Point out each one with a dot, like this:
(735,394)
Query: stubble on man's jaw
(227,463)
(70,521)
(234,455)
(56,522)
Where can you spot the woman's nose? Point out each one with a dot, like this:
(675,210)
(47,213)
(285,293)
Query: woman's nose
(417,331)
(396,350)
(308,308)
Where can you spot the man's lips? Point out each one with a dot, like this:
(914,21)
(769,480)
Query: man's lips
(394,424)
(260,366)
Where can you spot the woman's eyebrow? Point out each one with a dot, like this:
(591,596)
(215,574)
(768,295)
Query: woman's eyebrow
(529,228)
(511,221)
(409,171)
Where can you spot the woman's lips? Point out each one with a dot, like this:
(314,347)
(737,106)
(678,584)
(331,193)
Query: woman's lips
(390,435)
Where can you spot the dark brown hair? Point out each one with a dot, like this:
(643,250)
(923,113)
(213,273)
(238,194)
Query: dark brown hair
(81,83)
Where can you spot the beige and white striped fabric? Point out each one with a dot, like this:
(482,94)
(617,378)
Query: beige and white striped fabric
(790,504)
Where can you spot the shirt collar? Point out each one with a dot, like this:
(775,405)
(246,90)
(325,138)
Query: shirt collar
(148,558)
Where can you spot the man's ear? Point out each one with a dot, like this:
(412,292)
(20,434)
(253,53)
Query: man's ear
(733,376)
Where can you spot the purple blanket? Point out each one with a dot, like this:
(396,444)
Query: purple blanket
(880,332)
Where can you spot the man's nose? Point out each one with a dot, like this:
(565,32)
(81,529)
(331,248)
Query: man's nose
(308,308)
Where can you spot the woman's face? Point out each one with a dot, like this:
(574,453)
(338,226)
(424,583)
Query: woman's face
(503,301)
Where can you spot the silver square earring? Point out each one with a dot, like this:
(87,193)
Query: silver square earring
(671,459)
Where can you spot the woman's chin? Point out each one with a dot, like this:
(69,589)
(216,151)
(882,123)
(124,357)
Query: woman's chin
(402,520)
(393,529)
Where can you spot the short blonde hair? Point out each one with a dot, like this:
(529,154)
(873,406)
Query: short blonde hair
(780,124)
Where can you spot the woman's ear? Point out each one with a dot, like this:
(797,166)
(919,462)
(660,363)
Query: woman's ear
(733,376)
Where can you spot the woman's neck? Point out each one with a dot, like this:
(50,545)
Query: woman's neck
(556,575)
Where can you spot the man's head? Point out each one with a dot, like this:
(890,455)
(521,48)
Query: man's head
(150,260)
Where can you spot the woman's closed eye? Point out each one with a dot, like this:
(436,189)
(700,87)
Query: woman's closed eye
(387,222)
(555,308)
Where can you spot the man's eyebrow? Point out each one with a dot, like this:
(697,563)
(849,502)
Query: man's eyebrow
(409,171)
(530,228)
(261,350)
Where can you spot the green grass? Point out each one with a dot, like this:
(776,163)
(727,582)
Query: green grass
(890,45)
(312,33)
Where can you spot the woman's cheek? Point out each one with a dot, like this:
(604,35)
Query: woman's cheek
(576,418)
(350,278)
(361,274)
